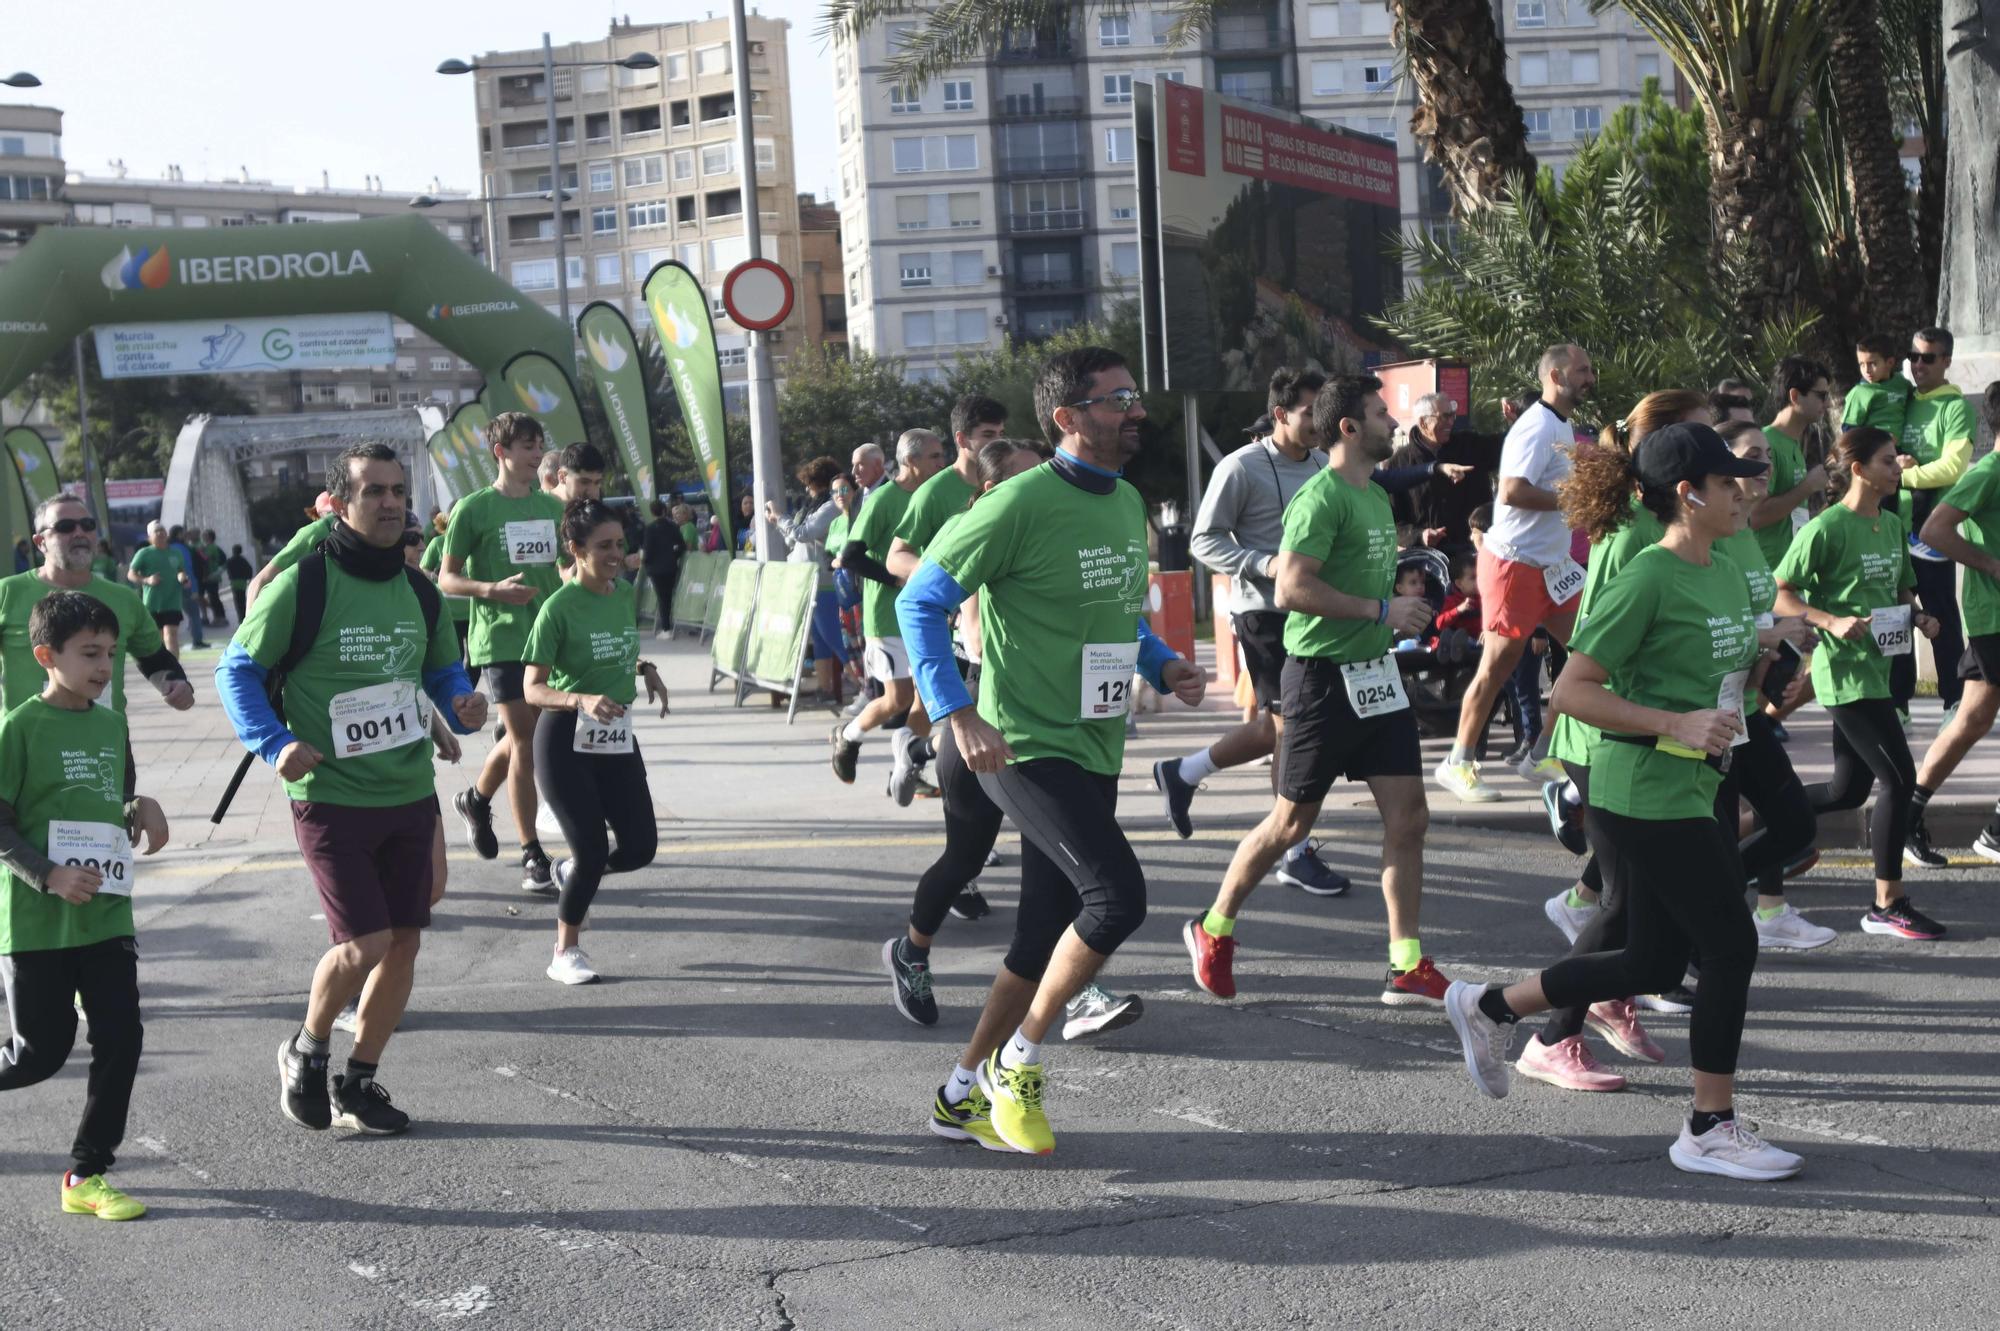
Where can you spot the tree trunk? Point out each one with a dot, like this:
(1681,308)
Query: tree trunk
(1892,272)
(1760,253)
(1466,117)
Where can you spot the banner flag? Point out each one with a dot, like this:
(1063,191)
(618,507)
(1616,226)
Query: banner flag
(35,465)
(533,383)
(93,481)
(680,313)
(467,432)
(451,475)
(621,387)
(16,523)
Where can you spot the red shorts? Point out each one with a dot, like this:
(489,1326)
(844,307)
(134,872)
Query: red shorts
(1515,601)
(372,866)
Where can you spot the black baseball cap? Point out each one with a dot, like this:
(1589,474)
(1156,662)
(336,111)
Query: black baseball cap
(1687,451)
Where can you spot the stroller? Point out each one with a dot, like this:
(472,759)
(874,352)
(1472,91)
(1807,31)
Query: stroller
(1436,675)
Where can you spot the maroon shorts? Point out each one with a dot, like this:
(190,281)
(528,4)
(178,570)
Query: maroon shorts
(372,866)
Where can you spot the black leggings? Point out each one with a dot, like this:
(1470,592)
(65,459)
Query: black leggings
(1764,775)
(1869,746)
(1937,592)
(587,792)
(663,597)
(971,825)
(1677,885)
(40,986)
(1076,866)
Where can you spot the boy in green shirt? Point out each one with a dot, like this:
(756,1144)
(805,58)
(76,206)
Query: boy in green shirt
(1882,398)
(68,823)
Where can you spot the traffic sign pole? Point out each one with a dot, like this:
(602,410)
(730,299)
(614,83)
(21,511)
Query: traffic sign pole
(767,483)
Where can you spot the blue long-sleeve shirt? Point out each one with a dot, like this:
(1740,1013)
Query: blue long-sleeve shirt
(243,684)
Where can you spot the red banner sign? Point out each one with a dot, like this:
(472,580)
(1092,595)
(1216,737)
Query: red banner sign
(1186,146)
(1288,153)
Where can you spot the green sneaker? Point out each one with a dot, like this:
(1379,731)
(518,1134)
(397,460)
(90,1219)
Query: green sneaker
(970,1120)
(95,1197)
(1015,1095)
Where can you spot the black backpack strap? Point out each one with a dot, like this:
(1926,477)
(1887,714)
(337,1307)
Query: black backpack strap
(308,611)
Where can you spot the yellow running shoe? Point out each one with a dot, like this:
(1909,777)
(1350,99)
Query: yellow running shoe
(95,1197)
(970,1120)
(1015,1095)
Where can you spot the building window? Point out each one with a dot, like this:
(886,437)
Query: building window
(933,212)
(1382,127)
(1118,144)
(684,164)
(1538,126)
(684,210)
(1531,13)
(767,155)
(638,78)
(916,270)
(532,275)
(1114,30)
(609,270)
(381,396)
(902,102)
(440,365)
(919,329)
(710,60)
(1170,76)
(677,67)
(1329,78)
(602,178)
(1124,203)
(1375,20)
(1125,260)
(968,268)
(645,171)
(408,397)
(1117,89)
(1322,20)
(1645,67)
(573,266)
(724,203)
(1586,121)
(718,159)
(689,256)
(407,365)
(725,253)
(1583,67)
(646,216)
(936,152)
(590,81)
(1535,70)
(1378,78)
(958,94)
(603,221)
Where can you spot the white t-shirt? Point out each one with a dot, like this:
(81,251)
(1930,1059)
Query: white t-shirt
(1537,450)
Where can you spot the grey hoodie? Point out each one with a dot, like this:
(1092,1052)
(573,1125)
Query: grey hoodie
(1242,517)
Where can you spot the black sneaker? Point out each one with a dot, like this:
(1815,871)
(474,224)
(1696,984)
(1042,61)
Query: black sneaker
(1179,794)
(1986,845)
(913,984)
(1680,998)
(1310,875)
(302,1087)
(537,874)
(477,815)
(364,1107)
(1902,920)
(970,905)
(1917,847)
(1779,733)
(845,753)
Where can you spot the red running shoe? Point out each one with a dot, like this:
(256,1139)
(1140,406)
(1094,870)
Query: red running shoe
(1421,983)
(1211,957)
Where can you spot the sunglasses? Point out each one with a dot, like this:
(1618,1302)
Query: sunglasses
(64,526)
(1125,398)
(1927,357)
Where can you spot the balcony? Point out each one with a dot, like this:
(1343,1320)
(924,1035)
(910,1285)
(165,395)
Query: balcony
(1027,106)
(1044,47)
(1031,166)
(1043,223)
(1047,284)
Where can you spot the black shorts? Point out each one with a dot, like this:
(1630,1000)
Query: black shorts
(1260,634)
(1324,740)
(166,619)
(1981,658)
(505,680)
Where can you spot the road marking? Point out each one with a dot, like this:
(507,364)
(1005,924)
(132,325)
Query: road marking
(1199,1116)
(1583,1146)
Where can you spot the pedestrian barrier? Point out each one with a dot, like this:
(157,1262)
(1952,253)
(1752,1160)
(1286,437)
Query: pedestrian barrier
(691,593)
(736,609)
(718,583)
(776,659)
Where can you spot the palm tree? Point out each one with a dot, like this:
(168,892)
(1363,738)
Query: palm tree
(1891,265)
(1913,49)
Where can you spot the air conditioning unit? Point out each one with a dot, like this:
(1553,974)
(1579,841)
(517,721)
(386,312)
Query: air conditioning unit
(756,48)
(999,321)
(993,270)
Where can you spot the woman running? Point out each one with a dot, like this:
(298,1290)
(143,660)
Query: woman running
(1659,666)
(1849,573)
(582,659)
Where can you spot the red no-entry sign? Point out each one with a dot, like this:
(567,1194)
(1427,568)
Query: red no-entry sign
(757,294)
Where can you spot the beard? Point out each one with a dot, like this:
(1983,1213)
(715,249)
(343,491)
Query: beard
(70,559)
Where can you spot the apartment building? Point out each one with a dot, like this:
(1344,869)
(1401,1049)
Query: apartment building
(1001,199)
(822,296)
(649,160)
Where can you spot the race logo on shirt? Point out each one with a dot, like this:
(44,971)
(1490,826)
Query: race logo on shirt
(1879,567)
(1121,572)
(621,645)
(1730,638)
(390,652)
(97,772)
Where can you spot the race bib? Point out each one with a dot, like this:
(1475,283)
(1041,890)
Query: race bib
(100,846)
(375,719)
(1107,679)
(1729,698)
(1767,620)
(594,736)
(1799,519)
(1374,688)
(1563,580)
(532,542)
(1891,627)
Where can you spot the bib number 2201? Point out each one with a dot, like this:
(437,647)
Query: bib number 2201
(532,542)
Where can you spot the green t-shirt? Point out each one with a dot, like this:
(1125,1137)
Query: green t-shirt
(303,543)
(1788,468)
(1667,633)
(152,562)
(1351,530)
(498,537)
(104,566)
(371,638)
(688,537)
(935,501)
(1748,555)
(216,559)
(1935,419)
(836,534)
(59,765)
(1882,406)
(23,676)
(433,560)
(1846,564)
(1057,569)
(590,643)
(875,527)
(1572,740)
(1977,495)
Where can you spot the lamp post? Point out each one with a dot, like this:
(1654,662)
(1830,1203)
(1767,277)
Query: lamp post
(22,79)
(637,60)
(558,196)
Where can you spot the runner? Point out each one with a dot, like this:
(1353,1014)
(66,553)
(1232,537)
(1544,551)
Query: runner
(582,656)
(1849,574)
(178,540)
(460,607)
(1937,448)
(548,472)
(304,541)
(1527,579)
(1345,710)
(1059,558)
(159,574)
(211,578)
(1802,396)
(579,473)
(919,455)
(352,754)
(1659,665)
(66,930)
(500,550)
(240,573)
(806,536)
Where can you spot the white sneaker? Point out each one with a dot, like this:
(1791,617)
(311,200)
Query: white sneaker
(1539,774)
(1485,1040)
(1570,919)
(903,770)
(1789,929)
(1732,1150)
(1462,780)
(571,966)
(349,1019)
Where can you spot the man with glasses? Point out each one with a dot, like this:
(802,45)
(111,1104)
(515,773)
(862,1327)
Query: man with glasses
(1936,450)
(1801,396)
(66,534)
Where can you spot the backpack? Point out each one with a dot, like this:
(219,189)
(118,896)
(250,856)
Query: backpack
(309,610)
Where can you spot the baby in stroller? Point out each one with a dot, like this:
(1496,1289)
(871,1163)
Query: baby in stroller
(1438,666)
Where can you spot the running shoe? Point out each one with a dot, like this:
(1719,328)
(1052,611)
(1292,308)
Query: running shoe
(93,1196)
(1732,1150)
(1310,874)
(1902,920)
(1617,1020)
(1420,984)
(1179,794)
(1918,550)
(571,966)
(1519,754)
(993,859)
(1986,845)
(970,905)
(845,753)
(926,791)
(1570,919)
(912,984)
(1483,1039)
(1903,719)
(1211,958)
(1543,772)
(1094,1011)
(1679,999)
(1462,780)
(1568,1064)
(1015,1095)
(1946,717)
(1563,819)
(477,815)
(564,867)
(1803,864)
(364,1107)
(349,1019)
(1918,850)
(302,1087)
(903,772)
(1790,931)
(537,874)
(970,1120)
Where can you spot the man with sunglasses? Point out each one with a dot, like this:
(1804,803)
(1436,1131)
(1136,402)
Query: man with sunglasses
(1936,451)
(66,534)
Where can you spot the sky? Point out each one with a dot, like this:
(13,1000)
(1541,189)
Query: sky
(348,88)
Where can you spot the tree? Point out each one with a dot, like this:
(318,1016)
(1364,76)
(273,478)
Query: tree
(1466,116)
(834,402)
(1892,268)
(133,422)
(1913,51)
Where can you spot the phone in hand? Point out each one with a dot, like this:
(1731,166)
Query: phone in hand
(1779,676)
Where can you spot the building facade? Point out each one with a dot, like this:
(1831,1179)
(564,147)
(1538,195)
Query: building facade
(822,295)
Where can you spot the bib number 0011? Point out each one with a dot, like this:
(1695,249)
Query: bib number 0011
(376,719)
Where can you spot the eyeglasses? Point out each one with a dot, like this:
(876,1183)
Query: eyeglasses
(64,526)
(1927,357)
(1124,398)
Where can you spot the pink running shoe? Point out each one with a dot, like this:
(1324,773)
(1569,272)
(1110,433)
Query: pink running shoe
(1568,1064)
(1618,1023)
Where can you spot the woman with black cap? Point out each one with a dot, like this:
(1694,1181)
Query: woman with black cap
(1659,667)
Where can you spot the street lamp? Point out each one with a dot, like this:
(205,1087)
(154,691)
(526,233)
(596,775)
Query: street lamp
(22,80)
(637,60)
